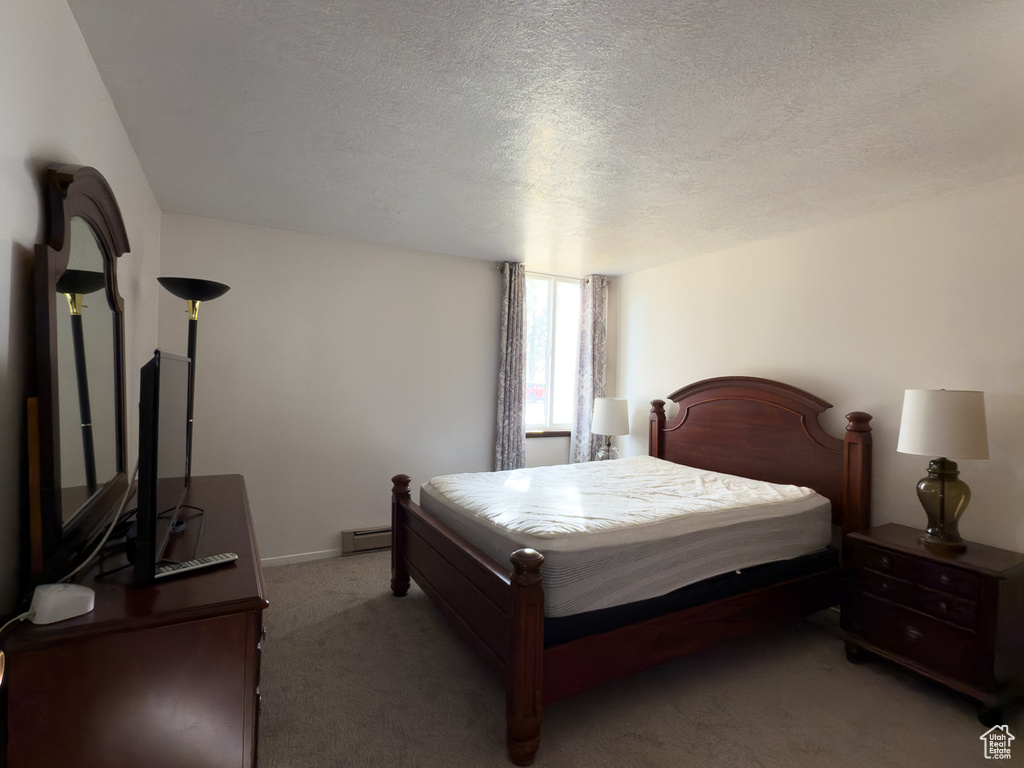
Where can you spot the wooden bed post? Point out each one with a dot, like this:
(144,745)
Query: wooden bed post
(399,571)
(525,686)
(655,442)
(857,473)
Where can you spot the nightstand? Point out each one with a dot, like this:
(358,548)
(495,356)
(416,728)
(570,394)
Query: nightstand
(957,618)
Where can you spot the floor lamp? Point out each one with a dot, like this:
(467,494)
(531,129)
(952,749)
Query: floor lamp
(74,284)
(194,291)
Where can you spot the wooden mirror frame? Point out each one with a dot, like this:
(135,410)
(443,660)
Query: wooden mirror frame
(71,191)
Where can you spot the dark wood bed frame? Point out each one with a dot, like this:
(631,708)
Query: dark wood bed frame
(740,425)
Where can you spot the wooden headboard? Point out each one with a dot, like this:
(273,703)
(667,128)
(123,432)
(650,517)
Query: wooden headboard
(769,431)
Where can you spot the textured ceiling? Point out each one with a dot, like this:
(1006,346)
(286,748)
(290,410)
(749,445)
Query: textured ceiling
(576,135)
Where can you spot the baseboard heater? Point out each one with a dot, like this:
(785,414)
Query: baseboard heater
(366,540)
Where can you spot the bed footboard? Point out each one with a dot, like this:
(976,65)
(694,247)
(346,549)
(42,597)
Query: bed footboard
(498,611)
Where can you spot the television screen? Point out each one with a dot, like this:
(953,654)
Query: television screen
(163,457)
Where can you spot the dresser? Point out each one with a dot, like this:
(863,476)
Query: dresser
(957,618)
(166,675)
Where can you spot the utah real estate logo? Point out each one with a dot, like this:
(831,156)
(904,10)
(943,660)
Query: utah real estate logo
(997,742)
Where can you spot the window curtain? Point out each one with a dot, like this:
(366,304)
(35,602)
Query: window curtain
(510,445)
(591,364)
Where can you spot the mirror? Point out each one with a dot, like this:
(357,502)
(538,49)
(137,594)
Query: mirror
(81,372)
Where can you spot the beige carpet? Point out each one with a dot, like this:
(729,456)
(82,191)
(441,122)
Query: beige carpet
(355,677)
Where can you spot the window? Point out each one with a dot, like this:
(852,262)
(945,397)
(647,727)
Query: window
(552,330)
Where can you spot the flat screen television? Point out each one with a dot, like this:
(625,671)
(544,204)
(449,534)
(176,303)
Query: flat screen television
(163,458)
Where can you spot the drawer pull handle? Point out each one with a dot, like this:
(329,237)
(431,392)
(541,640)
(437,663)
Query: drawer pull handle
(944,579)
(943,608)
(885,561)
(914,634)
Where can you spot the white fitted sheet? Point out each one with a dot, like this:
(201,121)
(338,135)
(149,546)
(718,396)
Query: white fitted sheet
(615,532)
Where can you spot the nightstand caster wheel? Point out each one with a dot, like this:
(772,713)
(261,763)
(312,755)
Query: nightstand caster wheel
(992,716)
(855,654)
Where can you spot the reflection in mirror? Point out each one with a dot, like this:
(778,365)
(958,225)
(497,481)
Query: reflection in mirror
(85,362)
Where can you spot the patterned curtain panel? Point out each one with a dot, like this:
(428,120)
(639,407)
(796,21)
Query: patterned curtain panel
(590,381)
(510,446)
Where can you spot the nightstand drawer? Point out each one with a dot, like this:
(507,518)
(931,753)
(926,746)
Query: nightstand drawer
(941,605)
(934,575)
(891,588)
(954,609)
(951,580)
(934,644)
(886,562)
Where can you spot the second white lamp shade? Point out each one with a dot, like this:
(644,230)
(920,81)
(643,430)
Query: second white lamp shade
(611,416)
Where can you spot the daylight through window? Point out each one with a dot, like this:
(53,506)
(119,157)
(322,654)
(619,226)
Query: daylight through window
(552,330)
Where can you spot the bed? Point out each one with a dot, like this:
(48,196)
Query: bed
(741,426)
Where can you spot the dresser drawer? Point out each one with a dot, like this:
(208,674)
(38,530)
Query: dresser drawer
(950,580)
(941,605)
(933,575)
(889,587)
(886,562)
(935,644)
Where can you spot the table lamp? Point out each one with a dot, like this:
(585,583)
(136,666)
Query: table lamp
(194,291)
(944,423)
(611,417)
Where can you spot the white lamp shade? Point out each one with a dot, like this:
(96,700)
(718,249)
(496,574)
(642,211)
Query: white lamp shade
(948,423)
(611,417)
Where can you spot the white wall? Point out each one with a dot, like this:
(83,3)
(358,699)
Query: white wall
(925,295)
(329,367)
(55,108)
(546,451)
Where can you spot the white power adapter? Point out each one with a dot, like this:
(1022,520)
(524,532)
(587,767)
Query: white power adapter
(56,602)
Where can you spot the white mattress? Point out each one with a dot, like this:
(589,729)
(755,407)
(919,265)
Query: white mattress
(615,532)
